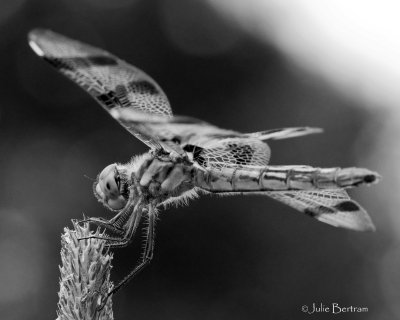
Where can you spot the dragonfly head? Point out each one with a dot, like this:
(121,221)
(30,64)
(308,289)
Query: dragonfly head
(110,188)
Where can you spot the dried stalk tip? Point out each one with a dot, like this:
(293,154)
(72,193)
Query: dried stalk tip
(85,276)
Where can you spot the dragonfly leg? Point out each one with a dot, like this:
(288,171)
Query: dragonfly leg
(106,224)
(131,227)
(130,217)
(111,240)
(118,224)
(147,256)
(124,240)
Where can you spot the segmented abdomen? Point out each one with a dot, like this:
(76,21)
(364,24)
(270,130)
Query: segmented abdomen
(280,178)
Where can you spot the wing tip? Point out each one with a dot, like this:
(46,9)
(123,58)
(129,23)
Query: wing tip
(361,226)
(33,36)
(299,132)
(366,226)
(34,46)
(314,130)
(370,228)
(37,32)
(355,221)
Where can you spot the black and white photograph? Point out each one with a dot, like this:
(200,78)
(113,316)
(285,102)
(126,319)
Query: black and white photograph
(199,159)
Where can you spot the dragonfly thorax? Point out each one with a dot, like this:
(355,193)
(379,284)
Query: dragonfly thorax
(158,177)
(153,177)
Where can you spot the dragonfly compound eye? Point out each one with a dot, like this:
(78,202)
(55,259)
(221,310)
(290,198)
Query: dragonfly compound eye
(107,188)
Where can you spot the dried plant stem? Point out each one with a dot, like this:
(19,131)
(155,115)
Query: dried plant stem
(85,276)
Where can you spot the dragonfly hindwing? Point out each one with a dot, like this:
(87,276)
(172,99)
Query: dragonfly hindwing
(333,207)
(231,152)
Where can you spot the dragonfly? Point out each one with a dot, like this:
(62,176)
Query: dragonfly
(188,157)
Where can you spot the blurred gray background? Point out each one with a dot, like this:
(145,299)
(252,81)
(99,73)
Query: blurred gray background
(246,68)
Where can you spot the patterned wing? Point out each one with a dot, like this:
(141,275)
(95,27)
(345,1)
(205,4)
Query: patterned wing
(209,146)
(217,149)
(138,103)
(228,152)
(195,132)
(333,207)
(112,82)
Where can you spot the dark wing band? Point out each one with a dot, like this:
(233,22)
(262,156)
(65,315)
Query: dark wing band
(333,207)
(112,82)
(231,152)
